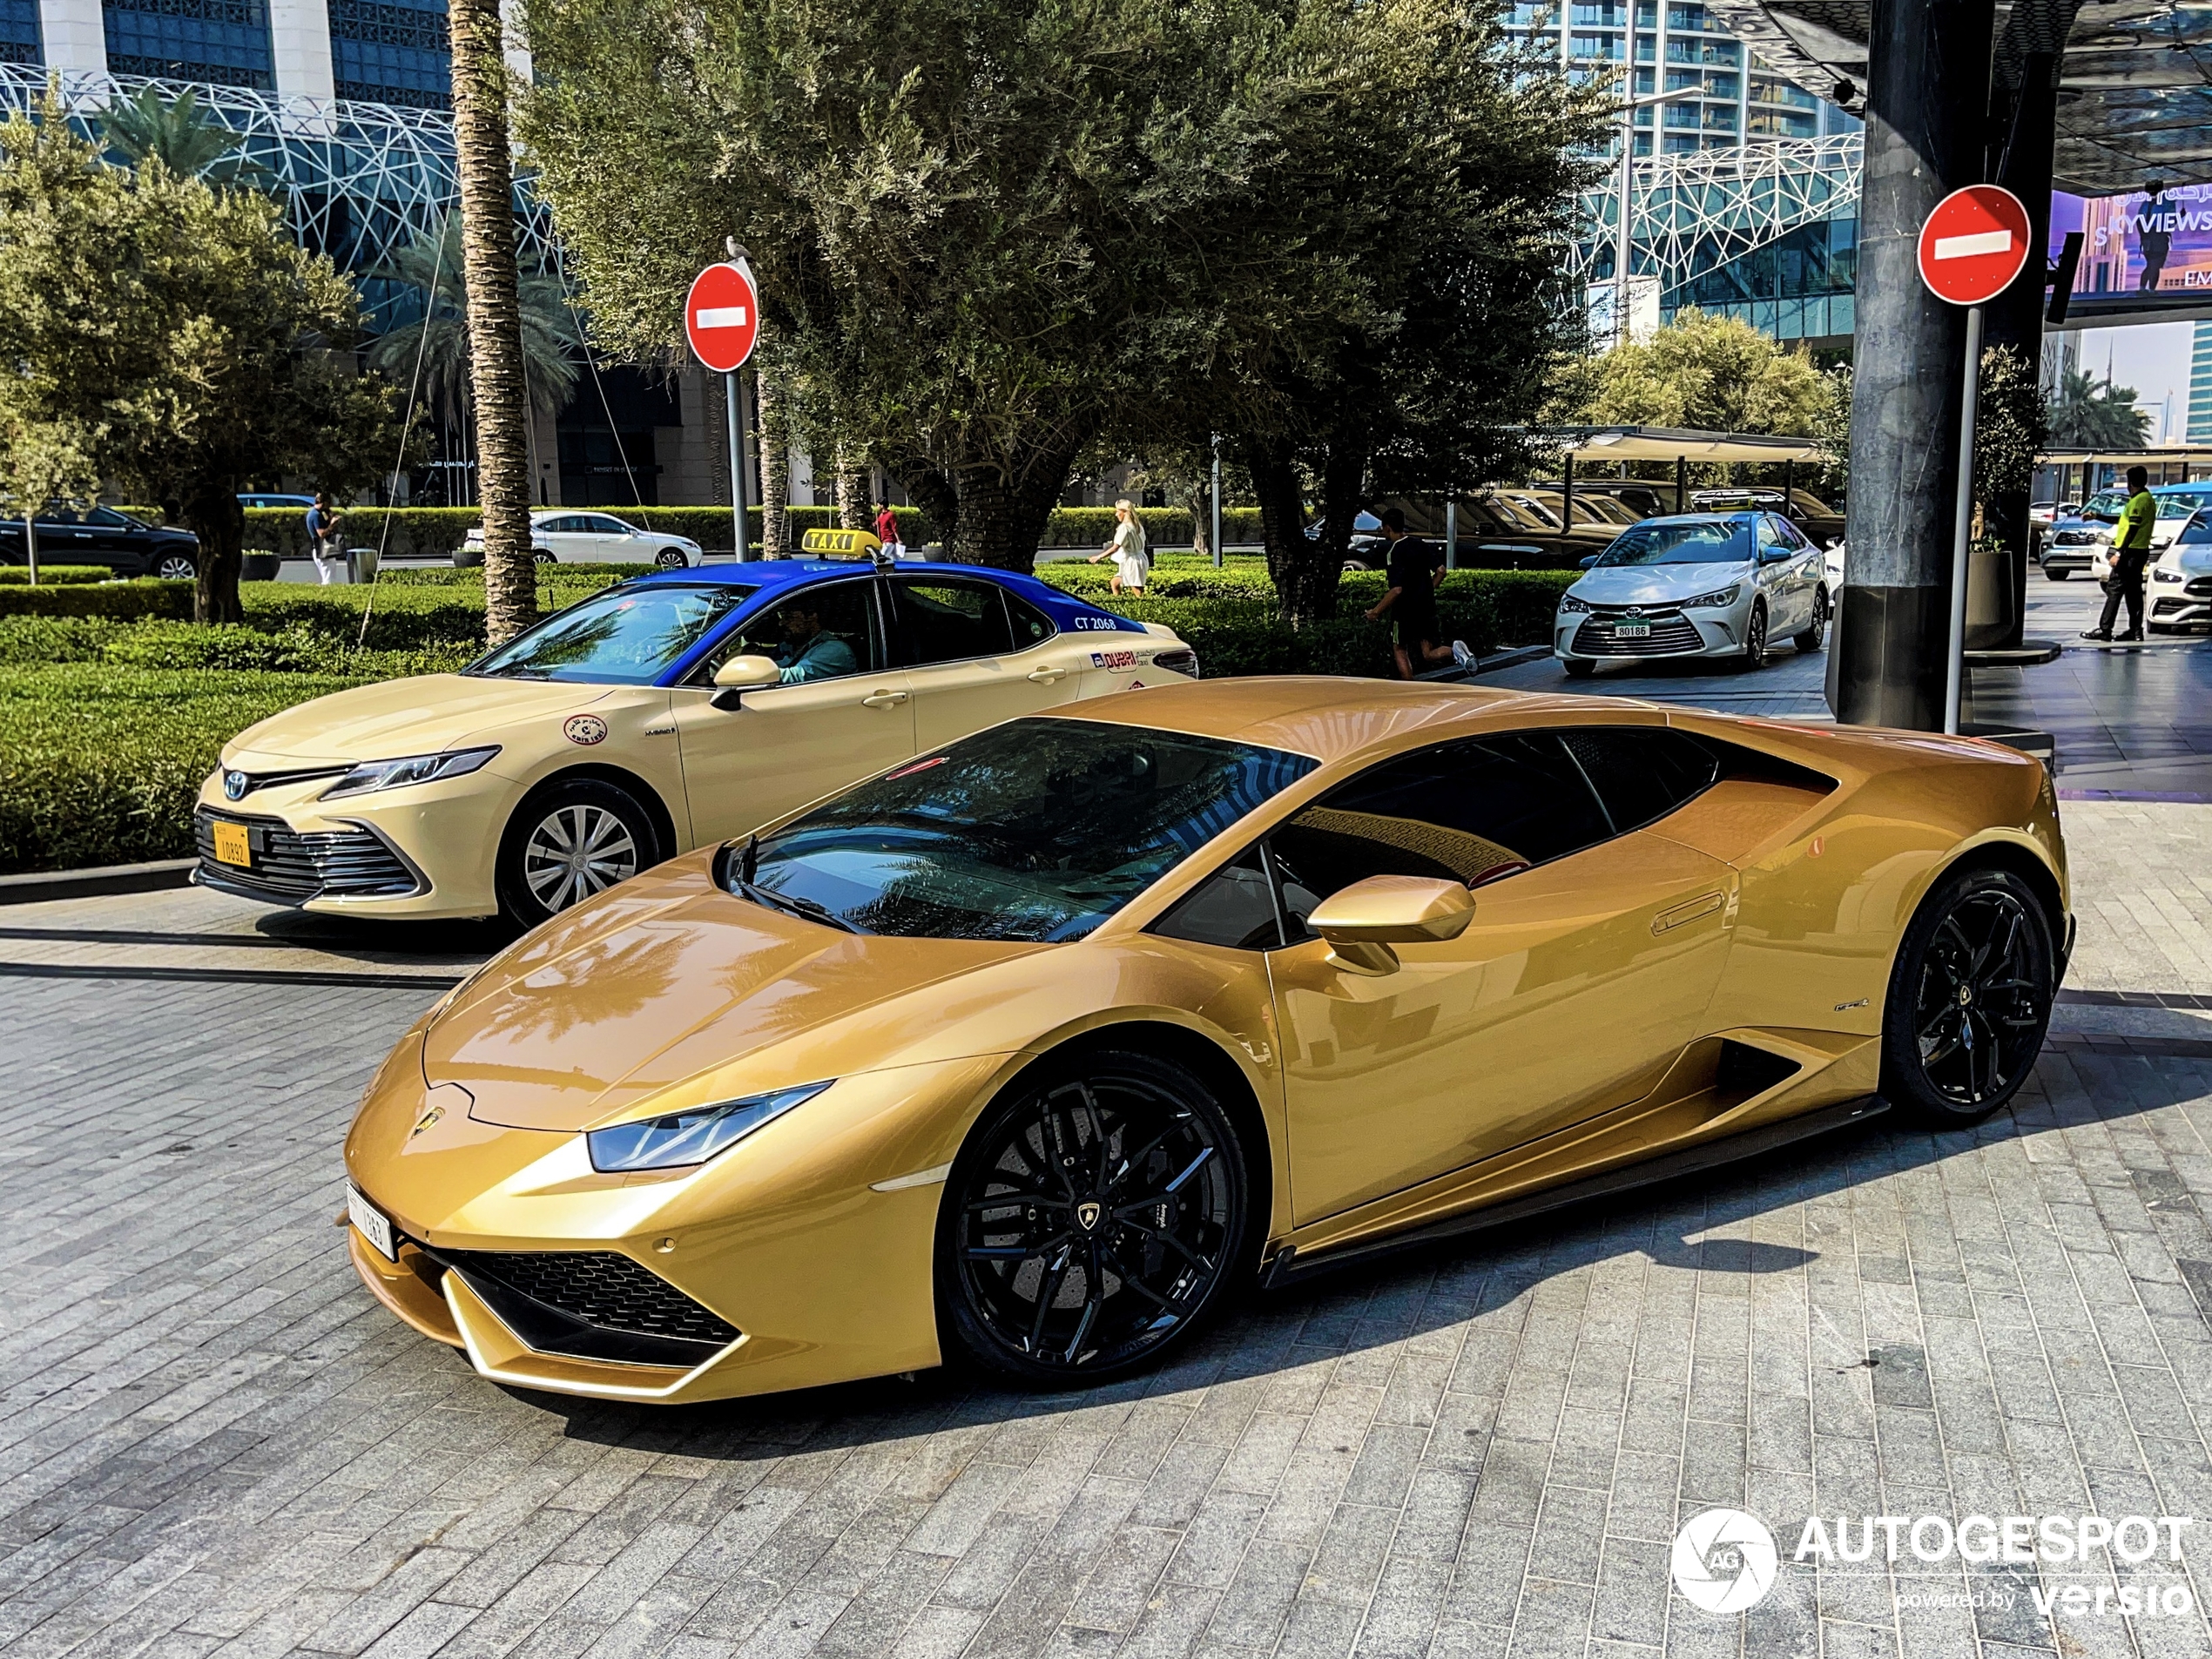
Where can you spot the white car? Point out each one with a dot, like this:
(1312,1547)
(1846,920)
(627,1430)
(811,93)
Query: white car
(563,535)
(2179,585)
(1695,584)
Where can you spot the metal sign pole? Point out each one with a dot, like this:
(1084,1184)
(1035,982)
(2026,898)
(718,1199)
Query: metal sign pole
(737,469)
(1955,664)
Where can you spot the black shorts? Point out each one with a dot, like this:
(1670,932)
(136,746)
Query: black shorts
(1417,628)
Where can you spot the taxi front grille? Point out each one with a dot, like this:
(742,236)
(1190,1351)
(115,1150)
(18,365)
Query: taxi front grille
(592,1305)
(1672,633)
(292,866)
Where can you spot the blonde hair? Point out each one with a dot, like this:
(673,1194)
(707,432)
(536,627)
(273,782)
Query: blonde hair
(1125,505)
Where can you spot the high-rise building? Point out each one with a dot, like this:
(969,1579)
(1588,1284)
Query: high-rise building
(2200,421)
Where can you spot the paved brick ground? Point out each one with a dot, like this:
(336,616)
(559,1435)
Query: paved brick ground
(211,1443)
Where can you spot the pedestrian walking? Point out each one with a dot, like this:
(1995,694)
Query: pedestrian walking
(322,537)
(1130,551)
(886,532)
(2130,553)
(1411,572)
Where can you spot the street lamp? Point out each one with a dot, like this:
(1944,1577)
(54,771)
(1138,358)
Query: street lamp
(1628,163)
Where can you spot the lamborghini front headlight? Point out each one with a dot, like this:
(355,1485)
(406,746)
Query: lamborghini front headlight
(693,1135)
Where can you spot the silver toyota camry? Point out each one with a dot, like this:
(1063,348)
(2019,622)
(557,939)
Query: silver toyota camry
(1700,584)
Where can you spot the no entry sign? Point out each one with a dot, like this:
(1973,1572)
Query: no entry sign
(722,316)
(1973,245)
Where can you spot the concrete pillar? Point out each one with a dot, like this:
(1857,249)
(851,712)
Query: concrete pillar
(2024,134)
(75,36)
(1927,95)
(299,49)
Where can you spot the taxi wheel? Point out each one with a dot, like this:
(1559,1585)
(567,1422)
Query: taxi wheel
(1810,640)
(1755,646)
(671,558)
(1969,999)
(1096,1219)
(568,842)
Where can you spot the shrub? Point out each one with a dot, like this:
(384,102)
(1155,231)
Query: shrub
(120,601)
(99,764)
(413,533)
(54,639)
(61,576)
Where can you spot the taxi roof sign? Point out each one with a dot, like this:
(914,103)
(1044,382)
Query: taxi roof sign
(842,544)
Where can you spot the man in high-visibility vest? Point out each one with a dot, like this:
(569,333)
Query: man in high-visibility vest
(2130,553)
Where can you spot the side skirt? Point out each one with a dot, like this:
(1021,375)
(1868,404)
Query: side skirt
(1286,1266)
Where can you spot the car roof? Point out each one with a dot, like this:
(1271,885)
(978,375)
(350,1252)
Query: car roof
(1697,518)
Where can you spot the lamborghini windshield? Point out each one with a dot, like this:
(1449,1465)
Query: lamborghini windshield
(627,636)
(1038,829)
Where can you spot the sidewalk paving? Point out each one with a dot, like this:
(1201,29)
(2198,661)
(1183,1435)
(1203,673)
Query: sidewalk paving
(213,1443)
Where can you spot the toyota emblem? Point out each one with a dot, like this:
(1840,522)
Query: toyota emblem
(1635,610)
(235,783)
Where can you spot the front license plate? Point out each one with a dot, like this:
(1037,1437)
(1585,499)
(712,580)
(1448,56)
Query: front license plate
(233,845)
(1632,631)
(371,1225)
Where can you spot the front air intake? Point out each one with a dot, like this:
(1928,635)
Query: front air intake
(592,1305)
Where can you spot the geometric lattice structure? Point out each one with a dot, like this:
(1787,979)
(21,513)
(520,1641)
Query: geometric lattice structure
(355,180)
(1691,214)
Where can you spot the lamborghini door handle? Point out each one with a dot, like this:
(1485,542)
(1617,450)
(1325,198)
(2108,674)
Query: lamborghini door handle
(883,699)
(1047,676)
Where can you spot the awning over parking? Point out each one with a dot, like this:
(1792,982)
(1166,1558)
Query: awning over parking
(1672,443)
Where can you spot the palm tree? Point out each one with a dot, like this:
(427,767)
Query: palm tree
(2087,415)
(501,382)
(178,133)
(432,265)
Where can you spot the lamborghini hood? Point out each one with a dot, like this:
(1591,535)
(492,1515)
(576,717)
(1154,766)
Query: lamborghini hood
(666,987)
(408,716)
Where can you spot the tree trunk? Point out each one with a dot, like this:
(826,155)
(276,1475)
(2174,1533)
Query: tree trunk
(1304,572)
(1198,500)
(775,468)
(1001,522)
(211,513)
(933,492)
(854,511)
(502,404)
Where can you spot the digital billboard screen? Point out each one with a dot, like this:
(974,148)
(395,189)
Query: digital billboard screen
(2149,250)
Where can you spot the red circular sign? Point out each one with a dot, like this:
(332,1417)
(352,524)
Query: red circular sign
(1973,245)
(722,316)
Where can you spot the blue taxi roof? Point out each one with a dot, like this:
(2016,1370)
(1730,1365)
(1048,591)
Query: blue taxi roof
(775,577)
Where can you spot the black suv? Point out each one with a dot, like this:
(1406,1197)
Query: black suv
(102,536)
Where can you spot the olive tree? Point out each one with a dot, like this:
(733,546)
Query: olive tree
(169,337)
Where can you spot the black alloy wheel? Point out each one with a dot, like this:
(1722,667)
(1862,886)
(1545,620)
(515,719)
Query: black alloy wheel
(1754,656)
(1095,1218)
(1969,999)
(1810,640)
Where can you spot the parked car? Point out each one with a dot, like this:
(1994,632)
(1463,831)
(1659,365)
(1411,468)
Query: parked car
(2179,582)
(1696,584)
(265,499)
(1820,522)
(561,535)
(1641,499)
(102,536)
(1038,1051)
(2080,543)
(673,709)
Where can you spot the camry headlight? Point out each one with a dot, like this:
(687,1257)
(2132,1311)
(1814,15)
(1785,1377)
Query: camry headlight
(2166,575)
(1718,599)
(413,769)
(1568,605)
(692,1136)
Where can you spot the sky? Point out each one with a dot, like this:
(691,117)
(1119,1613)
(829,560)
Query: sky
(2152,357)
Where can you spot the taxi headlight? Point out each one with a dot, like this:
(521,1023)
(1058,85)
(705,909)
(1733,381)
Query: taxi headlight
(1718,599)
(1569,605)
(372,775)
(692,1136)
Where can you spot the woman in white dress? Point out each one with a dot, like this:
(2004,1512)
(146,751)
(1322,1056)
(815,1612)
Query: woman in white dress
(1131,554)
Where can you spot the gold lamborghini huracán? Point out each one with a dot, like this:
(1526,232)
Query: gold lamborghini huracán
(1037,1047)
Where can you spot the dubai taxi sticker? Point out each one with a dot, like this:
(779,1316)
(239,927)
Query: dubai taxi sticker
(586,729)
(1113,660)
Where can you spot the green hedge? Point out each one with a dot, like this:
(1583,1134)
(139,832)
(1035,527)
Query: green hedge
(99,764)
(120,601)
(61,576)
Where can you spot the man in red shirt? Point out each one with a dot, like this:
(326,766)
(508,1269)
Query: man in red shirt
(887,530)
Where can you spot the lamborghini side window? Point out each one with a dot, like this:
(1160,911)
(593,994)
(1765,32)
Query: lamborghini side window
(1474,812)
(1232,908)
(1641,773)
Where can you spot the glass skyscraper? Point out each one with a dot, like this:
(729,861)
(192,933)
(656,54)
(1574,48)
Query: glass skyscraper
(2200,426)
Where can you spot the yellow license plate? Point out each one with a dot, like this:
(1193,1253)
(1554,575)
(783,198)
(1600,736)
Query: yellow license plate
(232,845)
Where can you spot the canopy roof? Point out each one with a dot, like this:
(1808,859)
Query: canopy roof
(2135,95)
(1672,443)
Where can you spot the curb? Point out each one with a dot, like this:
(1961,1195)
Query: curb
(41,885)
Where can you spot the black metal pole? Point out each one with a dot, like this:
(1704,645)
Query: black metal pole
(1927,95)
(2024,141)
